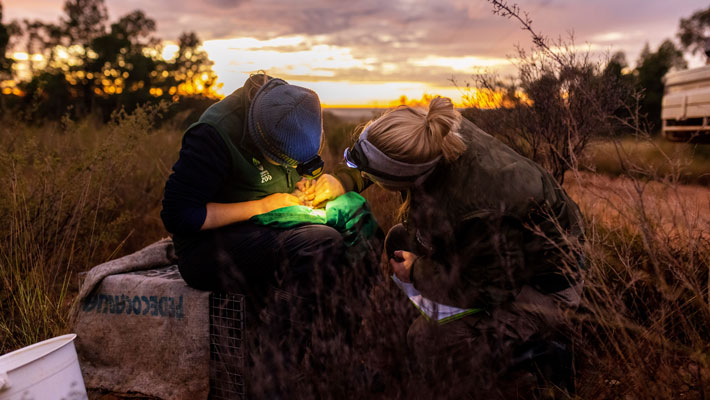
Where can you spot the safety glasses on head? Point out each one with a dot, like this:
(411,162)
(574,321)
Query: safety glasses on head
(352,157)
(367,158)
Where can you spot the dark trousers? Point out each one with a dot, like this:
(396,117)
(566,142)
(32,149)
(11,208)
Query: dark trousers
(250,259)
(282,273)
(295,282)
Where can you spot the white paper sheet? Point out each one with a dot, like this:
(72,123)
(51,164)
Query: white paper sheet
(431,309)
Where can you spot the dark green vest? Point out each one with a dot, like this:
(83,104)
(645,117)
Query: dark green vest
(252,177)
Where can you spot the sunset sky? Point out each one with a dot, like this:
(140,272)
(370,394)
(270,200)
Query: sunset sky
(370,52)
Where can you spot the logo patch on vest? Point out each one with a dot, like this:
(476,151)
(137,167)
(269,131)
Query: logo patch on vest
(265,175)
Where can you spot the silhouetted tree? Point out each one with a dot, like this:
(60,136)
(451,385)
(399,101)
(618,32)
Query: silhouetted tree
(84,20)
(694,31)
(4,40)
(618,73)
(192,68)
(560,99)
(52,37)
(5,62)
(33,40)
(102,69)
(650,69)
(120,69)
(134,26)
(616,65)
(8,32)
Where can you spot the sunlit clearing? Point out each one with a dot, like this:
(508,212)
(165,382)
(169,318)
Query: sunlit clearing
(376,94)
(490,99)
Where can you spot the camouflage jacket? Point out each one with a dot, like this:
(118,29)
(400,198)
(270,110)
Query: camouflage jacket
(490,222)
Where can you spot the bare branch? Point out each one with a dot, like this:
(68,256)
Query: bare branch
(505,10)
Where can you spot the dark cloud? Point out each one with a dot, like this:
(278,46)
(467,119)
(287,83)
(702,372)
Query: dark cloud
(400,31)
(468,24)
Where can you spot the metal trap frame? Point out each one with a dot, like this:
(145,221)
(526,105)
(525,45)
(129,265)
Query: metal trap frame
(227,347)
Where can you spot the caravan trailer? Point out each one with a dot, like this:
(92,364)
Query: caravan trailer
(686,105)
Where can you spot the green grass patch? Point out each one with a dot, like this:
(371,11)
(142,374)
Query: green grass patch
(687,163)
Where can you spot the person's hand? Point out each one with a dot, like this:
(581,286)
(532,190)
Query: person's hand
(278,200)
(305,191)
(402,264)
(327,188)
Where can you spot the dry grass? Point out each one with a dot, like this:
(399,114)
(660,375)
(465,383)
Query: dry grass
(79,194)
(689,163)
(645,319)
(677,212)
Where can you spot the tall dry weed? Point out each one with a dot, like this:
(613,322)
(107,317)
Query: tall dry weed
(646,313)
(75,193)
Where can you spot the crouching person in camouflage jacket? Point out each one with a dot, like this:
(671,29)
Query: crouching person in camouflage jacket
(485,230)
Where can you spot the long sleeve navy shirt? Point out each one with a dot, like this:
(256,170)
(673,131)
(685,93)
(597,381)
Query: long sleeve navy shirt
(197,176)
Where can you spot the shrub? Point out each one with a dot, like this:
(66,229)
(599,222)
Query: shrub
(559,99)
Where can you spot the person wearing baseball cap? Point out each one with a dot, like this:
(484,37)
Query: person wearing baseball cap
(254,151)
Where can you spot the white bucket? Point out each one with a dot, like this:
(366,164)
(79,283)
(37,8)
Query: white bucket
(45,370)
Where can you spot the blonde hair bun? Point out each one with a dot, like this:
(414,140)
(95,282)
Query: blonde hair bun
(416,135)
(442,118)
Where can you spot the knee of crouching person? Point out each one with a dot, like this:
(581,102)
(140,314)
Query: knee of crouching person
(324,240)
(396,239)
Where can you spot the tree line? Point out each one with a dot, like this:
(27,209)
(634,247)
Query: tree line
(652,65)
(85,64)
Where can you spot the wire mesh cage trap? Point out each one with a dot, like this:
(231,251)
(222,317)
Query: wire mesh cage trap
(227,347)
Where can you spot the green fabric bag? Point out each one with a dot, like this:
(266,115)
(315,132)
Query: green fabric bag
(349,214)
